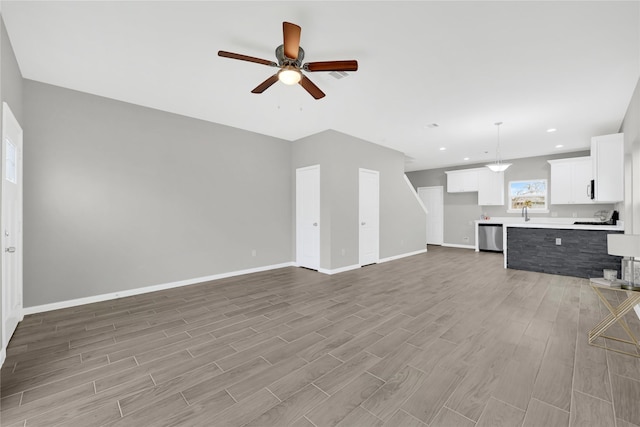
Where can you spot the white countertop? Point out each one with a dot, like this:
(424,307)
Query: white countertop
(618,227)
(545,222)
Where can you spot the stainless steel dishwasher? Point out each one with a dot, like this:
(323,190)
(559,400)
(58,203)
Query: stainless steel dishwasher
(490,237)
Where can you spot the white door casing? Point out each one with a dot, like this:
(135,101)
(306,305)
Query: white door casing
(11,222)
(369,216)
(308,217)
(432,197)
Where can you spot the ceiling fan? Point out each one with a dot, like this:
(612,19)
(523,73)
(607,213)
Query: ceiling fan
(290,56)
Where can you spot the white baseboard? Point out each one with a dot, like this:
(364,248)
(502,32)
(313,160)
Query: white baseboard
(381,260)
(147,289)
(339,270)
(391,258)
(453,245)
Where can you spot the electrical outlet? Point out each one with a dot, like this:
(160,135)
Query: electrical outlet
(343,252)
(575,214)
(558,241)
(253,252)
(554,214)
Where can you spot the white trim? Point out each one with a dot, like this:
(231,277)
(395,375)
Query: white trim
(439,189)
(375,217)
(339,270)
(395,257)
(416,195)
(3,356)
(453,245)
(301,235)
(147,289)
(380,261)
(12,310)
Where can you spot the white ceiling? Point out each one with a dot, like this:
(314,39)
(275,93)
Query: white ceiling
(463,65)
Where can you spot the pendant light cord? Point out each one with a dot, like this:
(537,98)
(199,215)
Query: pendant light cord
(498,160)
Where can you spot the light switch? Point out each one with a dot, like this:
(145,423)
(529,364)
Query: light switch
(558,241)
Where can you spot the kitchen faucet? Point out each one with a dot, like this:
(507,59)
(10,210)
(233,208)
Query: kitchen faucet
(525,213)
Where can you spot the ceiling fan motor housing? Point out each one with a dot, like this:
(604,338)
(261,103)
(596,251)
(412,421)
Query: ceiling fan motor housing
(284,60)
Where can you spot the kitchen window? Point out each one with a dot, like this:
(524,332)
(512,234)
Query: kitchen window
(530,193)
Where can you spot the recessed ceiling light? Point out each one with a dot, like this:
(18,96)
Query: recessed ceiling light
(466,158)
(442,148)
(559,146)
(551,130)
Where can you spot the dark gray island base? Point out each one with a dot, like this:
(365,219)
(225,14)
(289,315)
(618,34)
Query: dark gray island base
(582,253)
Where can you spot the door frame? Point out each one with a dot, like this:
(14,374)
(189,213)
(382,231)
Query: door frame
(360,219)
(440,189)
(299,225)
(9,125)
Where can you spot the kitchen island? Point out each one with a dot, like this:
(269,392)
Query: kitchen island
(579,251)
(557,246)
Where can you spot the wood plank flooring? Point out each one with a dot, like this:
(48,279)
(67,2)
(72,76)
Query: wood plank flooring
(446,338)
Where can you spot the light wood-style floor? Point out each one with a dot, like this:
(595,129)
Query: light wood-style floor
(447,338)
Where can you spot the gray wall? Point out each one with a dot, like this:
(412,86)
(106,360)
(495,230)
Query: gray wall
(631,128)
(119,196)
(402,220)
(461,209)
(10,76)
(10,92)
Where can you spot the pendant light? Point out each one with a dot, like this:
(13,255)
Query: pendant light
(498,166)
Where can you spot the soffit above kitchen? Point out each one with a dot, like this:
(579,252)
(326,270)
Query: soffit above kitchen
(433,77)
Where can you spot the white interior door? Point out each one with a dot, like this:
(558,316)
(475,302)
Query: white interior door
(432,197)
(369,216)
(11,223)
(308,217)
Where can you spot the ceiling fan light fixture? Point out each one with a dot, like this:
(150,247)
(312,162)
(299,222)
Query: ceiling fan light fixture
(498,166)
(289,75)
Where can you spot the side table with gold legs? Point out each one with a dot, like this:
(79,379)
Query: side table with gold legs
(616,315)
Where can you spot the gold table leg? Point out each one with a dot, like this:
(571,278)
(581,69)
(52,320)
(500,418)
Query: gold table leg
(616,314)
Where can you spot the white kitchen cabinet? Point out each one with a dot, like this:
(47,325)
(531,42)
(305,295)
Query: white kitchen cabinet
(463,180)
(582,176)
(607,156)
(490,188)
(571,181)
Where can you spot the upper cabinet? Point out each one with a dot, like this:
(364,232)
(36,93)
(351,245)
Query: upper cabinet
(488,184)
(463,180)
(595,179)
(607,156)
(571,181)
(490,188)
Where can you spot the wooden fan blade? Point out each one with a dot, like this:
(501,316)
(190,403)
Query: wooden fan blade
(311,88)
(266,84)
(291,39)
(246,58)
(351,65)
